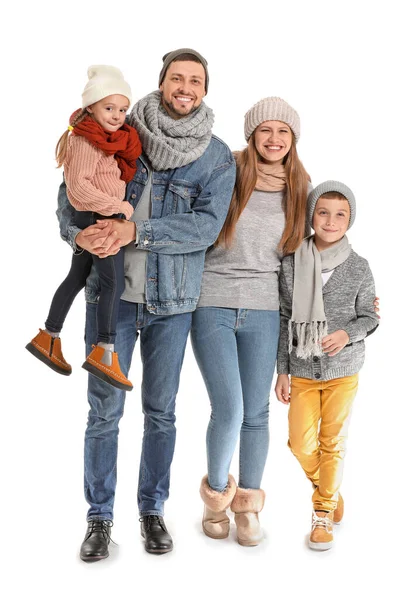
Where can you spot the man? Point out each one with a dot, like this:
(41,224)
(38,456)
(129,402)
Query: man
(181,193)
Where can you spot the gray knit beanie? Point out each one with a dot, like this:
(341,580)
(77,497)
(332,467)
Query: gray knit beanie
(170,56)
(331,186)
(272,109)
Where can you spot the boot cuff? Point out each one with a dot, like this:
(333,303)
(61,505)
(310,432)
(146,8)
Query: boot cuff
(248,500)
(214,500)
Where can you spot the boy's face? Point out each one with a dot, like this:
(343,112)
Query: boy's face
(330,221)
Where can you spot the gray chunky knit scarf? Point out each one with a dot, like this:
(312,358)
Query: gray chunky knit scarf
(308,313)
(169,143)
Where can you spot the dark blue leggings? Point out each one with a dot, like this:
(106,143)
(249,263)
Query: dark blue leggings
(110,272)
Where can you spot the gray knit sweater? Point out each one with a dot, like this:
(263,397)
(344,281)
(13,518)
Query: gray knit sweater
(348,297)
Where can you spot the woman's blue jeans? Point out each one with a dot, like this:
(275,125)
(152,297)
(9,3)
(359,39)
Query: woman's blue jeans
(236,351)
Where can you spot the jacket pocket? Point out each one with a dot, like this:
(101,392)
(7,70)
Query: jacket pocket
(180,198)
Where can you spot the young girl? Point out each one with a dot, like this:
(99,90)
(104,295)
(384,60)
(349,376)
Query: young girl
(236,325)
(99,153)
(326,303)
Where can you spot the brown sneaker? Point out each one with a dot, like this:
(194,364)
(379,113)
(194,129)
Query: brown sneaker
(321,537)
(111,374)
(48,350)
(339,510)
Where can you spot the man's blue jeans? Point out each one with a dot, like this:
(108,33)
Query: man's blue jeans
(236,351)
(163,342)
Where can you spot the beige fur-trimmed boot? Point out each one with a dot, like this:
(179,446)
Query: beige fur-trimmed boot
(215,521)
(246,505)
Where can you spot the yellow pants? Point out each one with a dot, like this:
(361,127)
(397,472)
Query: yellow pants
(318,421)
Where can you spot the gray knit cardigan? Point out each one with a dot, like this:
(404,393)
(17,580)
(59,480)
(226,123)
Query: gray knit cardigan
(348,297)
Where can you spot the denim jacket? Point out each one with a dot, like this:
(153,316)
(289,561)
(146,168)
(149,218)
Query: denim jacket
(189,206)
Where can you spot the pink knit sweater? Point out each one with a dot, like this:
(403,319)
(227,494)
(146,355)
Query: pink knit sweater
(93,179)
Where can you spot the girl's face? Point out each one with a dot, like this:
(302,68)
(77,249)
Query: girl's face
(273,141)
(330,221)
(110,111)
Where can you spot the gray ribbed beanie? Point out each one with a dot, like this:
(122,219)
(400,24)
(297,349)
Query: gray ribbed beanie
(331,186)
(170,56)
(272,109)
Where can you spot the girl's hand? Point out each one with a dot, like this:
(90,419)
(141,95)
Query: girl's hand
(335,342)
(282,389)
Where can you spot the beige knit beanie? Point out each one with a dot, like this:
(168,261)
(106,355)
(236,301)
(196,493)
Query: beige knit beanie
(272,109)
(104,81)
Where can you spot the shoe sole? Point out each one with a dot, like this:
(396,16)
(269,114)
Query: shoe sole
(38,354)
(215,537)
(104,377)
(91,559)
(320,545)
(248,544)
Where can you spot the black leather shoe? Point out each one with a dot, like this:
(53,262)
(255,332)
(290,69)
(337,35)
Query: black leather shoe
(157,539)
(95,543)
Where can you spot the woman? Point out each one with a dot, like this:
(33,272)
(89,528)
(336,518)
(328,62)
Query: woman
(236,325)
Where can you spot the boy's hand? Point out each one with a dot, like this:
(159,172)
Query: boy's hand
(282,389)
(335,342)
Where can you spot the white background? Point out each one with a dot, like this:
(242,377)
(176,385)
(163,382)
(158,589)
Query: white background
(340,65)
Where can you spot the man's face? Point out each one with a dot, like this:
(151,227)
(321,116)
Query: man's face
(183,88)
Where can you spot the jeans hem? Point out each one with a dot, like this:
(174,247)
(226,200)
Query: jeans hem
(151,513)
(99,518)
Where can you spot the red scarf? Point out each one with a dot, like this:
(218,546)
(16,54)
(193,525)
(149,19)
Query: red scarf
(123,143)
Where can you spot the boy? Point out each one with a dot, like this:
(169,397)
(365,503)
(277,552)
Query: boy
(326,308)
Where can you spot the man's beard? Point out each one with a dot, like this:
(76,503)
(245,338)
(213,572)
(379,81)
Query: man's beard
(168,106)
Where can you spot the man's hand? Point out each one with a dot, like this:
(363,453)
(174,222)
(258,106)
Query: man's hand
(282,389)
(122,233)
(96,238)
(335,342)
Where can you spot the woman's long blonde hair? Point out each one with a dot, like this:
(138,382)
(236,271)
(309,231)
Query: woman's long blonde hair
(61,146)
(294,202)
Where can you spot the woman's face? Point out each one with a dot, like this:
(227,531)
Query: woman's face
(273,141)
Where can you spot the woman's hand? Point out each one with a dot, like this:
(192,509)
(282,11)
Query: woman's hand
(282,389)
(377,306)
(335,342)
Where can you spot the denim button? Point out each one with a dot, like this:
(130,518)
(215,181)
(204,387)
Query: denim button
(145,242)
(143,170)
(133,195)
(316,358)
(317,375)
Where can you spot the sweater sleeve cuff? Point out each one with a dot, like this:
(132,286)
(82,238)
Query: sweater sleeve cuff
(283,367)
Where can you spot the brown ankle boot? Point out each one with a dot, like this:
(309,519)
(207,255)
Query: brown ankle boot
(339,510)
(215,520)
(246,505)
(111,374)
(321,537)
(48,350)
